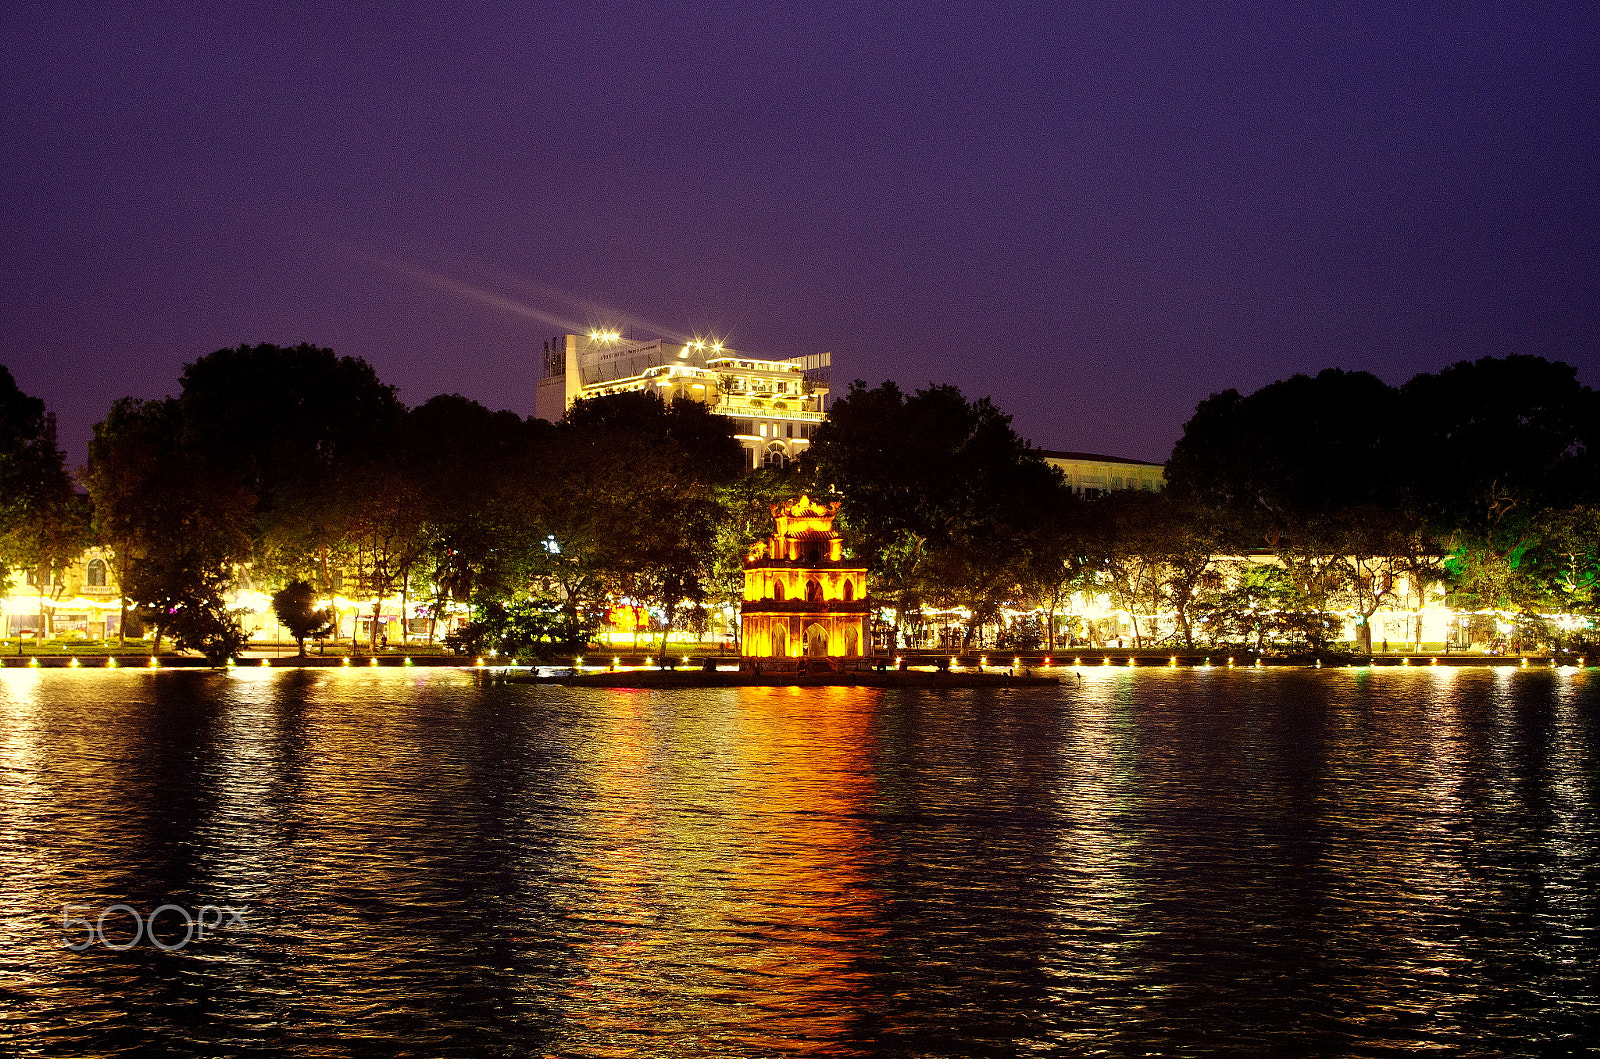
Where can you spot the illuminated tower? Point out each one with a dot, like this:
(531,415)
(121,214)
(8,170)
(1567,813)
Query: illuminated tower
(802,597)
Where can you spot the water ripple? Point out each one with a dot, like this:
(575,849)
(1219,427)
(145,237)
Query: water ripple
(1152,862)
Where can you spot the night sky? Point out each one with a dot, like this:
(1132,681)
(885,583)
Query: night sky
(1096,214)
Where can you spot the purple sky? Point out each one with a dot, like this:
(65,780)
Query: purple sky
(1096,214)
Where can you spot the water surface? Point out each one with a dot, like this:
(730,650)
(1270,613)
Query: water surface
(1339,862)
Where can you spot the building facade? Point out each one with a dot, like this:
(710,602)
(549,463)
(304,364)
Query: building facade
(775,405)
(1091,475)
(82,601)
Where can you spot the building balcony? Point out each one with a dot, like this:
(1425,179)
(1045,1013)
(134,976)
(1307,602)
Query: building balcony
(745,410)
(802,606)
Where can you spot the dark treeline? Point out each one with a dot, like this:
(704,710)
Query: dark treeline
(1482,480)
(296,472)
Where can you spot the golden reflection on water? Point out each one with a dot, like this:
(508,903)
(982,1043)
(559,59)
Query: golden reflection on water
(1095,892)
(735,867)
(23,863)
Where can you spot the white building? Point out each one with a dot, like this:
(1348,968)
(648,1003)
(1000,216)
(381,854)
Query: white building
(775,405)
(1091,474)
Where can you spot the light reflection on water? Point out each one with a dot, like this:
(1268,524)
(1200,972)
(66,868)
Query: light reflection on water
(1152,861)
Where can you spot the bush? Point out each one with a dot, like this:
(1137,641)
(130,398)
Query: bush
(528,630)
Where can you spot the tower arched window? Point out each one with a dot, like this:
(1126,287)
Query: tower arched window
(777,590)
(849,590)
(813,591)
(95,575)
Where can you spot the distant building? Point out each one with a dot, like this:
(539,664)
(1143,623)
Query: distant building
(1090,475)
(775,405)
(82,601)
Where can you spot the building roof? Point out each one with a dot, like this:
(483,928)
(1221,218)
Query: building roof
(1093,458)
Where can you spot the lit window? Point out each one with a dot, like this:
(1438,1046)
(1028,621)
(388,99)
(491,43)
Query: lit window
(763,430)
(96,573)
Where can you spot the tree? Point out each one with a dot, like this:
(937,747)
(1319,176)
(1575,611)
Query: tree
(202,622)
(285,426)
(387,532)
(1195,538)
(1058,559)
(1293,450)
(178,527)
(1507,443)
(633,503)
(1498,441)
(745,518)
(296,608)
(1255,605)
(941,495)
(530,631)
(53,532)
(482,476)
(44,523)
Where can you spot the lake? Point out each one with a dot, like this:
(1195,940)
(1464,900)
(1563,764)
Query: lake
(1244,862)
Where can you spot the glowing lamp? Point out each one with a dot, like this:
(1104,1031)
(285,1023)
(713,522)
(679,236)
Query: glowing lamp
(372,661)
(111,663)
(407,661)
(73,664)
(1433,661)
(480,661)
(154,664)
(265,663)
(33,663)
(1172,661)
